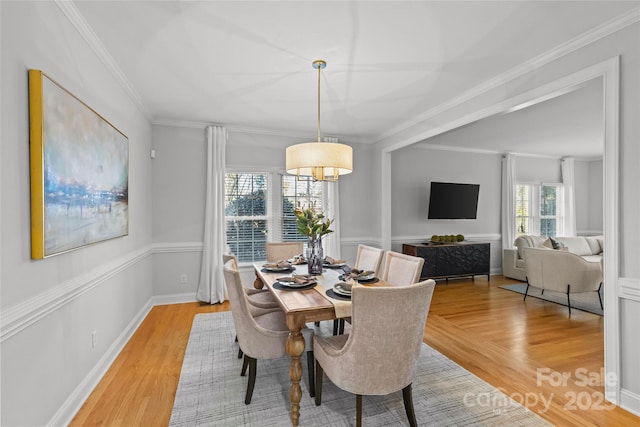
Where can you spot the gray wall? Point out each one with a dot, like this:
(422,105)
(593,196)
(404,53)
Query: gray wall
(179,172)
(50,307)
(623,44)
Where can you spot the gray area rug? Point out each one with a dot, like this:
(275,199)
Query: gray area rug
(211,391)
(587,301)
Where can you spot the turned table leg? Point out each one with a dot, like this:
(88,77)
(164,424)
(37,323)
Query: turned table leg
(295,348)
(258,282)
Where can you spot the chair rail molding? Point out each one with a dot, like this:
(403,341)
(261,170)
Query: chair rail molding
(20,316)
(629,288)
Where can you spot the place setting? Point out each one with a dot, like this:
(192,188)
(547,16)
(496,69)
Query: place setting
(296,282)
(340,291)
(277,267)
(330,262)
(364,277)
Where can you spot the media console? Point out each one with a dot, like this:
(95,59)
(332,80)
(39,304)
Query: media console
(449,260)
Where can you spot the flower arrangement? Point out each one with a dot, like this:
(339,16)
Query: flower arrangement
(312,224)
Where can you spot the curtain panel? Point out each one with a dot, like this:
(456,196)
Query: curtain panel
(211,287)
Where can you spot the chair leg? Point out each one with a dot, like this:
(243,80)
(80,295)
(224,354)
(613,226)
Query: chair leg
(318,394)
(526,291)
(310,364)
(358,410)
(317,323)
(245,365)
(252,379)
(240,353)
(407,397)
(341,331)
(542,292)
(600,296)
(336,326)
(568,299)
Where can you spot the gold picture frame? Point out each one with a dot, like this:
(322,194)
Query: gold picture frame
(79,169)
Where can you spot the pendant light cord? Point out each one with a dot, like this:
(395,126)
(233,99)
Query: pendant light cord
(319,68)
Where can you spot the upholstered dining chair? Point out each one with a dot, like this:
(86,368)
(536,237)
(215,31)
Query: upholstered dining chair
(401,269)
(258,298)
(263,336)
(378,356)
(277,251)
(368,258)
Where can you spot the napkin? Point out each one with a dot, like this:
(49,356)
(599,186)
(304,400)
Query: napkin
(301,279)
(332,261)
(298,259)
(277,264)
(360,274)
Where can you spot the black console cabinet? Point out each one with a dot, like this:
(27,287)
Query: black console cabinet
(446,260)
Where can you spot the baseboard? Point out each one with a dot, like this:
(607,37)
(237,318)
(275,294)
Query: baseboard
(630,401)
(79,396)
(174,299)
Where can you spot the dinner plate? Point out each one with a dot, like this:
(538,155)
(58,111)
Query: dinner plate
(294,285)
(277,269)
(338,265)
(370,278)
(338,288)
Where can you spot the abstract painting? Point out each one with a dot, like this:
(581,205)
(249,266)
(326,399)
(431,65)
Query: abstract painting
(79,172)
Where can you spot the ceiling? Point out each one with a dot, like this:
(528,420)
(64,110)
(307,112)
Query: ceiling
(247,64)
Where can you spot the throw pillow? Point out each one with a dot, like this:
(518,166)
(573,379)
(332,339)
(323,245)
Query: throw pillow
(556,244)
(548,244)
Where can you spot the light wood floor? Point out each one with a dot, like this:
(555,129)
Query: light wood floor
(489,331)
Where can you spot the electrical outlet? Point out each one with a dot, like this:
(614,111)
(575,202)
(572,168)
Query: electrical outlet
(94,339)
(184,279)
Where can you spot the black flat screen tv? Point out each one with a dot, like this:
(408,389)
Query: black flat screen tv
(449,200)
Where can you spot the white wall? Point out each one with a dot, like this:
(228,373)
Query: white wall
(50,307)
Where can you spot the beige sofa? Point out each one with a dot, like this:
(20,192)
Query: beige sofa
(590,248)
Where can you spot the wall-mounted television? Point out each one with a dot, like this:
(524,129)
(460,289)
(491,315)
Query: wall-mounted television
(449,200)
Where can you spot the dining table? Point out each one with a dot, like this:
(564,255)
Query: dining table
(302,306)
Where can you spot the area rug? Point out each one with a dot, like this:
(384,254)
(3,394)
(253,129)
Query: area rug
(587,301)
(211,391)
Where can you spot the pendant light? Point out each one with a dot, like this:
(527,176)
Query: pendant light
(322,161)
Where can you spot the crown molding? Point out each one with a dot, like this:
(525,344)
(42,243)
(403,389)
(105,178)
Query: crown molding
(75,17)
(559,51)
(591,36)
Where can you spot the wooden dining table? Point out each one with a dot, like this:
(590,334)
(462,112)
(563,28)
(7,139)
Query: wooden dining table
(300,307)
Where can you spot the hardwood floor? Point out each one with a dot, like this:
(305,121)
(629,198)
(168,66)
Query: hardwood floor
(517,347)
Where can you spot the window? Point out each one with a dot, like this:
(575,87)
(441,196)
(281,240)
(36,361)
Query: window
(246,214)
(259,208)
(538,209)
(296,194)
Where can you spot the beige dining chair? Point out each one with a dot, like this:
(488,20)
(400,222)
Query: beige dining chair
(260,337)
(258,298)
(261,301)
(379,354)
(368,258)
(401,269)
(277,251)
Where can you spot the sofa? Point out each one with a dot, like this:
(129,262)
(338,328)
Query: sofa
(562,271)
(513,265)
